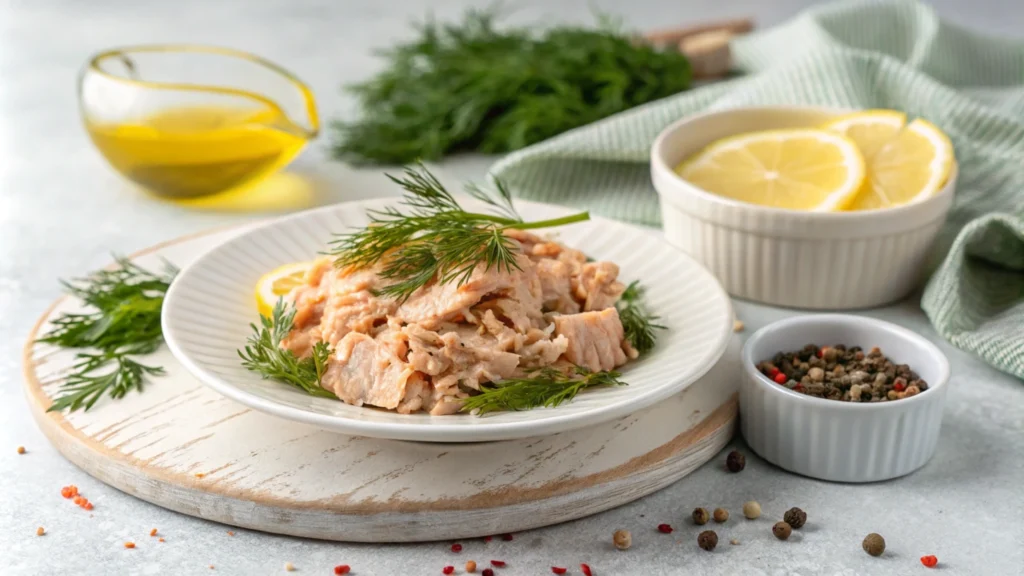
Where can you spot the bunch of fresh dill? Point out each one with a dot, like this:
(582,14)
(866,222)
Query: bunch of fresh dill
(472,86)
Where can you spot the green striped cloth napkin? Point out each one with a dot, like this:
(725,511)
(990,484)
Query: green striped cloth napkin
(896,55)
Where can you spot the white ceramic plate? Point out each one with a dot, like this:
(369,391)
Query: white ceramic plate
(210,305)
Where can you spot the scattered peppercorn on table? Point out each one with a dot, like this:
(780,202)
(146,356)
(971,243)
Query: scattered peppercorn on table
(959,513)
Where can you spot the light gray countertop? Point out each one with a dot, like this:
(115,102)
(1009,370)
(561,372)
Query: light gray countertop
(63,211)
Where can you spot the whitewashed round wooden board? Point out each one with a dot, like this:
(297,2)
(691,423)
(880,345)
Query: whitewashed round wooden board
(182,446)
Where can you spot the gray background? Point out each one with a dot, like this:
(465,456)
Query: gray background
(62,211)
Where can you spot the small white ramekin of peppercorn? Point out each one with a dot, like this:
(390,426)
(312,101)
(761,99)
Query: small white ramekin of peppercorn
(841,397)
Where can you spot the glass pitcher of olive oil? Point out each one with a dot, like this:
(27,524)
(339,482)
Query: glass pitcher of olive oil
(189,121)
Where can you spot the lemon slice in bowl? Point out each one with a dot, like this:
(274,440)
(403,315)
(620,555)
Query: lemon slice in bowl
(911,166)
(870,129)
(798,169)
(277,283)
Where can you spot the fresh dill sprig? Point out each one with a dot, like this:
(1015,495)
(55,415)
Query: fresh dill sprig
(263,354)
(542,387)
(474,85)
(83,388)
(124,321)
(435,238)
(637,323)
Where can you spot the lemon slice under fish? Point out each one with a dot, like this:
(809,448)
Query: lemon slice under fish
(277,283)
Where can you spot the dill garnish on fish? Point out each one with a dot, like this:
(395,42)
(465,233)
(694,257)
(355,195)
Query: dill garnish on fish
(546,387)
(637,324)
(264,355)
(435,238)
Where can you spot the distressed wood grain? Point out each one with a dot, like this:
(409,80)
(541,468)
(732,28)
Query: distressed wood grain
(184,447)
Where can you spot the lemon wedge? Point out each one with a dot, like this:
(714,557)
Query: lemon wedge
(277,283)
(798,169)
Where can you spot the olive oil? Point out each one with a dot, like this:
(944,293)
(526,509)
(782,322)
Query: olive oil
(200,150)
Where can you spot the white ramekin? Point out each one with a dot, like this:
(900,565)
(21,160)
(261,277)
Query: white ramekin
(838,260)
(834,440)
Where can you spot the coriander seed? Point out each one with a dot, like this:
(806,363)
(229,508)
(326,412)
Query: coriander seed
(700,516)
(735,461)
(795,517)
(622,539)
(720,515)
(782,530)
(752,510)
(874,544)
(707,540)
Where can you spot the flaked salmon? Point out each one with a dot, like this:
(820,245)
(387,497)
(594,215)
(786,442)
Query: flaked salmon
(438,346)
(596,339)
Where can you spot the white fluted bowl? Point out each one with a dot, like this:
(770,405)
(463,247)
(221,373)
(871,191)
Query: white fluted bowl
(794,258)
(842,441)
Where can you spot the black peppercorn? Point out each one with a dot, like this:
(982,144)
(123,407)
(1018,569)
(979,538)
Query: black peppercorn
(782,530)
(795,517)
(707,540)
(700,516)
(735,461)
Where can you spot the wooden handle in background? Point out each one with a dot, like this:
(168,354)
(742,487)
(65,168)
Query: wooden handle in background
(706,45)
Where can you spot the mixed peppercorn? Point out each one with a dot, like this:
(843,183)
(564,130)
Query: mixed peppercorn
(874,544)
(843,373)
(735,461)
(795,517)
